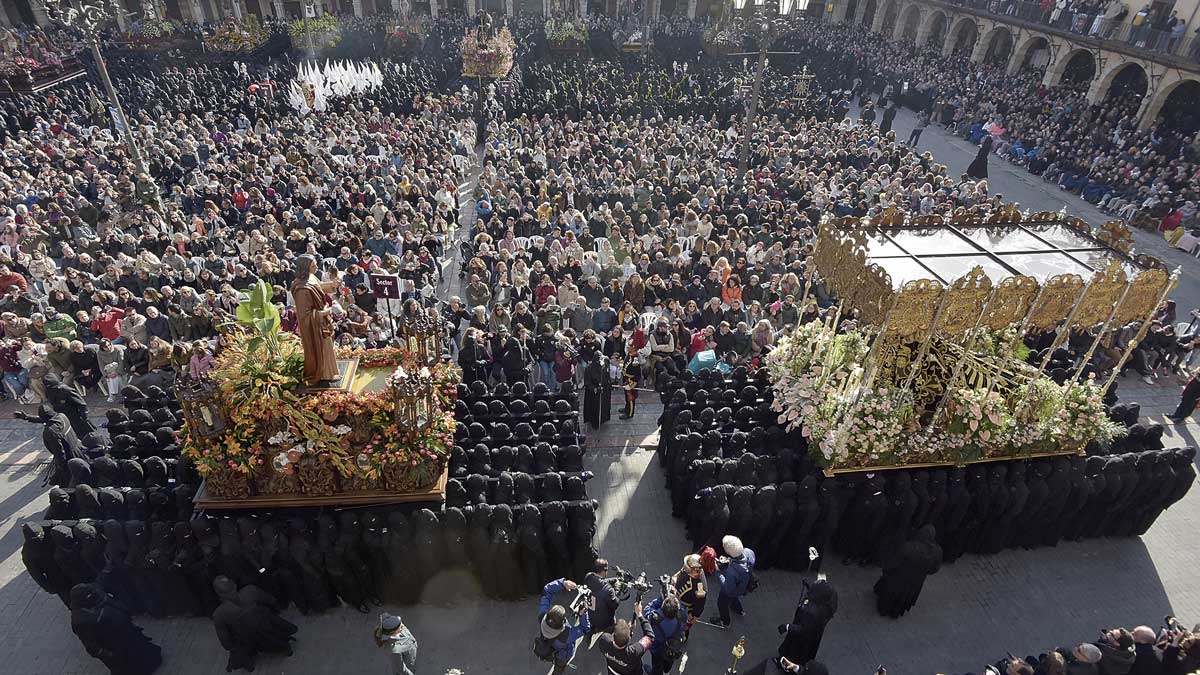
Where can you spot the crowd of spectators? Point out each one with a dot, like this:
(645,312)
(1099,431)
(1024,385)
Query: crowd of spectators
(610,215)
(1094,150)
(1171,650)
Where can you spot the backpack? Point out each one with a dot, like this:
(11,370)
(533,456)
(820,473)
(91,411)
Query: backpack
(543,648)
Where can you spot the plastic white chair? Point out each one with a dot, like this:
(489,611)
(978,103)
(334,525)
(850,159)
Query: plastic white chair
(647,321)
(523,242)
(604,250)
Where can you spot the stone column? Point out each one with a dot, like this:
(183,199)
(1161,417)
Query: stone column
(860,11)
(433,8)
(396,7)
(39,13)
(877,20)
(4,18)
(923,33)
(357,5)
(214,10)
(583,7)
(691,9)
(508,8)
(472,10)
(545,7)
(278,6)
(980,49)
(838,15)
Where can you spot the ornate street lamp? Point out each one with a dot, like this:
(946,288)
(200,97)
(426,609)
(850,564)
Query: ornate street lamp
(89,18)
(766,25)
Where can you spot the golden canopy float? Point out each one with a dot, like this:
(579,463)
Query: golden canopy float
(922,359)
(261,439)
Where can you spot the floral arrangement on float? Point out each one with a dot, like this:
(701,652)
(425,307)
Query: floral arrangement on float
(19,66)
(566,31)
(151,29)
(487,54)
(408,34)
(823,387)
(251,430)
(235,36)
(325,31)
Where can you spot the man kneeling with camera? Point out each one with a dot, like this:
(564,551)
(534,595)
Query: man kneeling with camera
(564,620)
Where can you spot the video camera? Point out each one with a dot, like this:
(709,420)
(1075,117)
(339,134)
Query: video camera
(581,602)
(625,584)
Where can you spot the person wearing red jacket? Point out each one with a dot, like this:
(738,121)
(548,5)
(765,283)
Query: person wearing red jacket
(107,322)
(10,278)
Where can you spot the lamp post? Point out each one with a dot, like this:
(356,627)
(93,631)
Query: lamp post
(89,18)
(766,25)
(310,9)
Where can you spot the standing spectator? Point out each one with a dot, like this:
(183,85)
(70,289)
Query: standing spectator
(393,636)
(736,579)
(922,122)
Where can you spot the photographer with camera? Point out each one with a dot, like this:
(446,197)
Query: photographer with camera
(736,575)
(667,621)
(558,638)
(622,655)
(604,601)
(688,586)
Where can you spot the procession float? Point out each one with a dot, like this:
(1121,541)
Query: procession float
(923,358)
(382,433)
(566,34)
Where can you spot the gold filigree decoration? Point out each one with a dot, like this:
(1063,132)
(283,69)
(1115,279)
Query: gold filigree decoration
(1013,298)
(1142,297)
(933,221)
(961,218)
(1103,293)
(1009,214)
(915,306)
(1044,218)
(891,217)
(1149,262)
(964,301)
(1059,296)
(1078,224)
(1115,234)
(873,297)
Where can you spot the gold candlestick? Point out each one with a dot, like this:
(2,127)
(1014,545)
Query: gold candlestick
(739,650)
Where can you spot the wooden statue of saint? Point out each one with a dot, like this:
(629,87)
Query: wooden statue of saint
(315,322)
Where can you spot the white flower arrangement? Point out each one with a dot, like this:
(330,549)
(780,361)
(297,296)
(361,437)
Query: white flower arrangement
(817,377)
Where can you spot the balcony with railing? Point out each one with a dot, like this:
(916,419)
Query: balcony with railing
(1177,46)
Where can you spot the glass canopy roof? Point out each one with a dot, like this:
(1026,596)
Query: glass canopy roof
(947,253)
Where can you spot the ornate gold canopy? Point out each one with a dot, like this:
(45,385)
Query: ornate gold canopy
(1041,267)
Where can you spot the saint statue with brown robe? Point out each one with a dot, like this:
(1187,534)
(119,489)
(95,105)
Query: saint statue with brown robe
(314,322)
